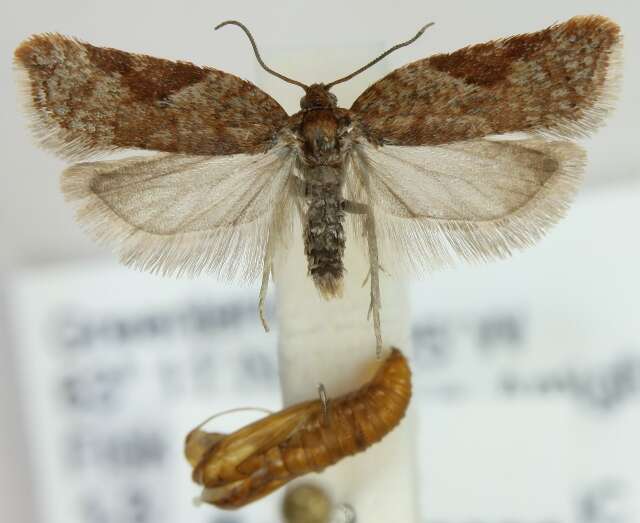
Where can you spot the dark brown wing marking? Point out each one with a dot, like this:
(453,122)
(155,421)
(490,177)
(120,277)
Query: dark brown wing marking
(556,81)
(86,99)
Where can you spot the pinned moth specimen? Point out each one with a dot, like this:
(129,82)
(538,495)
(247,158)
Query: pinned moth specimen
(415,166)
(236,469)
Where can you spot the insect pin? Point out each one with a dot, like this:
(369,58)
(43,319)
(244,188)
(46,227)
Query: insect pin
(414,164)
(236,469)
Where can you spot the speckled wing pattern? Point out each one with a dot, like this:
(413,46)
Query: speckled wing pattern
(84,100)
(557,81)
(443,186)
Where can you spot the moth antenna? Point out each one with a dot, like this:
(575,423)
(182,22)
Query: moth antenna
(257,53)
(322,392)
(376,60)
(231,411)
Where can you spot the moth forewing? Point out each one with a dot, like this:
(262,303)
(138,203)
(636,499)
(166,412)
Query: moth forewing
(84,99)
(559,81)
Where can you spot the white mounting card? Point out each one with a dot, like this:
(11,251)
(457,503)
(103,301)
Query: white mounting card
(527,382)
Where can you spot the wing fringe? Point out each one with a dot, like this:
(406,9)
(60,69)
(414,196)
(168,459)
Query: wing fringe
(423,244)
(43,128)
(605,96)
(223,250)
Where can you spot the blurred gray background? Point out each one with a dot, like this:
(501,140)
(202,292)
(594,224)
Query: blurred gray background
(44,254)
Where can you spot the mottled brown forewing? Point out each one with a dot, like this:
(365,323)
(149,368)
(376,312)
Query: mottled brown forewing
(553,81)
(86,99)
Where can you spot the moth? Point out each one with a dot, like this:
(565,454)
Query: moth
(424,167)
(236,469)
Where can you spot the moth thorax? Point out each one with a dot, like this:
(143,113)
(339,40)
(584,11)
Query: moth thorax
(319,133)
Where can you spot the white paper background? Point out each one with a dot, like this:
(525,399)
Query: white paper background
(528,370)
(527,390)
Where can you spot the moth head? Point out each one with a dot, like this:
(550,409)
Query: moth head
(318,96)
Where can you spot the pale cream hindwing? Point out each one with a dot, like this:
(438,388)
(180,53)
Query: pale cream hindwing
(474,200)
(181,214)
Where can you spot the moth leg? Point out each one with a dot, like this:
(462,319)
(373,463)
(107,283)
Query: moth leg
(374,266)
(298,188)
(366,278)
(267,271)
(355,207)
(264,286)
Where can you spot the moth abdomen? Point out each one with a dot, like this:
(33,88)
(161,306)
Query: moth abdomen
(324,236)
